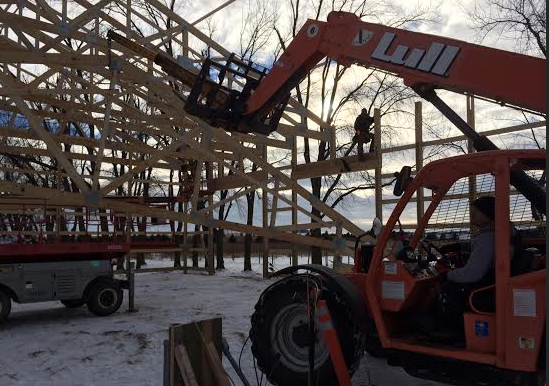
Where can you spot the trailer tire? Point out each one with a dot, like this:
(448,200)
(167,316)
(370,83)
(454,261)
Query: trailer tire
(105,297)
(5,305)
(73,303)
(279,324)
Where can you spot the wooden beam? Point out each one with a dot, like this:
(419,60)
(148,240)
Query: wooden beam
(207,15)
(347,164)
(488,133)
(378,165)
(218,371)
(51,196)
(418,115)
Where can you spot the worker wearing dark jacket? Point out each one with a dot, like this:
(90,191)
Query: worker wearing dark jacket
(362,130)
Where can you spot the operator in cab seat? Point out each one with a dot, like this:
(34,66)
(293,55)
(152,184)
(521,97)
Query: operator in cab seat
(482,245)
(456,285)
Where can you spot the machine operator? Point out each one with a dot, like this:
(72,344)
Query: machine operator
(456,285)
(481,259)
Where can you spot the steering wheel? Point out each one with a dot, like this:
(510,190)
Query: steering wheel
(407,255)
(429,247)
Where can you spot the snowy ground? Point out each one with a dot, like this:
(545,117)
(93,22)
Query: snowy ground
(47,344)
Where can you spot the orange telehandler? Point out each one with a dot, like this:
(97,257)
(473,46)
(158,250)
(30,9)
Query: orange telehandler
(376,307)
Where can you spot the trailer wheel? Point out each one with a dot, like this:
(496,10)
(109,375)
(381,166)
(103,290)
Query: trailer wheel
(279,334)
(73,303)
(104,298)
(5,305)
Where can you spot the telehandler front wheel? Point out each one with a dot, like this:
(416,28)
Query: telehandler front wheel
(280,333)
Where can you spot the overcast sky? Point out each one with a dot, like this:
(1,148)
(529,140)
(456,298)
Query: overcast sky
(452,22)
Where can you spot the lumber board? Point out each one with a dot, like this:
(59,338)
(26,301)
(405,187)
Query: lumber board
(185,367)
(218,371)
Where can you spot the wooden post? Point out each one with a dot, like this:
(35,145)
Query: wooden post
(333,143)
(206,335)
(210,251)
(265,205)
(419,157)
(185,41)
(185,236)
(295,259)
(128,18)
(274,204)
(176,338)
(337,252)
(192,347)
(378,168)
(470,149)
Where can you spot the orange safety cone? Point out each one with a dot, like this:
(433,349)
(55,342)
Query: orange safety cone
(324,322)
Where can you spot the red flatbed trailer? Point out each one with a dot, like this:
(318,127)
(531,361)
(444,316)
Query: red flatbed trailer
(62,251)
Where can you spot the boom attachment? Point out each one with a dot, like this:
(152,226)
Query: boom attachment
(214,101)
(219,92)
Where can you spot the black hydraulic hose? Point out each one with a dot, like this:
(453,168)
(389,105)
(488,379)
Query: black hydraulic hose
(227,352)
(526,185)
(312,340)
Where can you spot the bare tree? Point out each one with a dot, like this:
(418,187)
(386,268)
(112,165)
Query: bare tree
(259,18)
(523,22)
(336,93)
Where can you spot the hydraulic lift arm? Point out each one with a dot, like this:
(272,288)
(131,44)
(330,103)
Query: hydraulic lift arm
(424,62)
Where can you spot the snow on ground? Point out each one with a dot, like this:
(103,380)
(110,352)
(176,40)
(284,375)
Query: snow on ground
(47,344)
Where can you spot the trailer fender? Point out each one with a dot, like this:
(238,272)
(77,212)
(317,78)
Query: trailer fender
(11,293)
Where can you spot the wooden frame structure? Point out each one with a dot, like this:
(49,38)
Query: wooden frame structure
(77,101)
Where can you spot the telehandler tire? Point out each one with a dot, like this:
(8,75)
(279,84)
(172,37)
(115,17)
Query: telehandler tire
(280,333)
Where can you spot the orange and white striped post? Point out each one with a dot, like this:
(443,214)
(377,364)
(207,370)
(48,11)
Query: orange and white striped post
(324,321)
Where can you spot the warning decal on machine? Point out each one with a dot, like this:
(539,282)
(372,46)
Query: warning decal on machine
(390,268)
(392,290)
(526,342)
(481,328)
(524,302)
